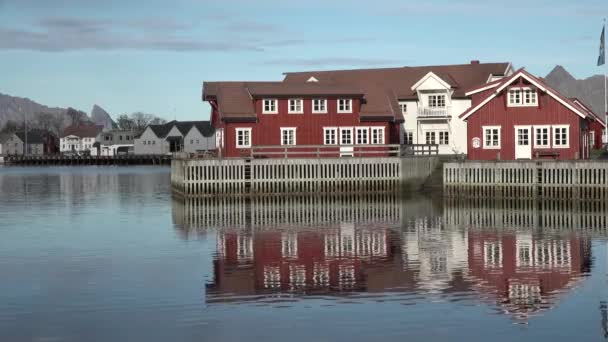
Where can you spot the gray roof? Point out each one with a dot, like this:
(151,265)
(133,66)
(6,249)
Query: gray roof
(33,137)
(184,127)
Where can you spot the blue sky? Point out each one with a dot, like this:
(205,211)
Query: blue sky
(153,55)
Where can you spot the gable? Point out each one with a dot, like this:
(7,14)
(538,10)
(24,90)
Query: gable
(174,132)
(430,82)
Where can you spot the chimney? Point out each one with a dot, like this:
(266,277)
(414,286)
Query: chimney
(475,61)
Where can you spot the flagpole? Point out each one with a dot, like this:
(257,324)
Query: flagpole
(605,135)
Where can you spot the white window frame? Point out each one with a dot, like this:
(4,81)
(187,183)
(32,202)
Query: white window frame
(236,136)
(274,102)
(548,128)
(554,129)
(403,107)
(347,105)
(405,136)
(366,135)
(352,138)
(288,129)
(297,103)
(336,137)
(319,111)
(522,97)
(440,140)
(485,142)
(426,141)
(380,138)
(437,102)
(592,139)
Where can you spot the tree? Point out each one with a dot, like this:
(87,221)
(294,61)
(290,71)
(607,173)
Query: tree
(138,121)
(77,117)
(158,121)
(10,127)
(124,122)
(49,122)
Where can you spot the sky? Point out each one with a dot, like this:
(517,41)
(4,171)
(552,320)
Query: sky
(154,55)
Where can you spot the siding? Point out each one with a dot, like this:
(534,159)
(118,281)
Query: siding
(195,141)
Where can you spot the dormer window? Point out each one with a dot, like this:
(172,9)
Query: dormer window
(270,106)
(522,97)
(319,105)
(403,107)
(345,105)
(437,101)
(295,106)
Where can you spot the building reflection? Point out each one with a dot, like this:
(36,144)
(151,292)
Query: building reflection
(520,258)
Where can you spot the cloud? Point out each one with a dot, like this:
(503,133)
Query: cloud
(250,26)
(335,61)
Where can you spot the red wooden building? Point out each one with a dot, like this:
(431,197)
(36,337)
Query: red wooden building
(520,117)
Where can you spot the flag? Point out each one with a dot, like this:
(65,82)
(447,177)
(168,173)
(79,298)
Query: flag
(602,57)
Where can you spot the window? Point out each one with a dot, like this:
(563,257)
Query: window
(119,137)
(319,106)
(198,141)
(295,106)
(153,142)
(362,135)
(522,97)
(403,107)
(408,137)
(191,141)
(269,106)
(288,136)
(330,136)
(444,138)
(561,136)
(377,135)
(541,137)
(144,142)
(429,138)
(592,138)
(437,101)
(345,105)
(491,137)
(243,137)
(346,136)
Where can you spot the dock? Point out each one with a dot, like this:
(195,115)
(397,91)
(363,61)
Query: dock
(49,160)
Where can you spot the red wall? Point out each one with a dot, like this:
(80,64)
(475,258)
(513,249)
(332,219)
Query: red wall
(598,129)
(267,131)
(496,113)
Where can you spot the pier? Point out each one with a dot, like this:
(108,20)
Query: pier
(209,177)
(48,160)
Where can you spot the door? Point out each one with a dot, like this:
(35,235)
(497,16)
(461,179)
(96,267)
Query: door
(523,142)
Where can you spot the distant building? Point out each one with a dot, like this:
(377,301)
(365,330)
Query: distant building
(113,142)
(176,136)
(13,143)
(78,139)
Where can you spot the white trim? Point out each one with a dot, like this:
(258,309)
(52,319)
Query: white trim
(367,135)
(548,128)
(276,106)
(335,130)
(402,103)
(301,111)
(426,77)
(522,95)
(484,141)
(352,137)
(236,137)
(288,129)
(567,127)
(592,140)
(319,111)
(479,90)
(350,106)
(528,146)
(312,79)
(383,136)
(535,83)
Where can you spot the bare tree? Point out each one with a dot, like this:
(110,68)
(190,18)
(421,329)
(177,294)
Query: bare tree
(77,117)
(138,121)
(124,122)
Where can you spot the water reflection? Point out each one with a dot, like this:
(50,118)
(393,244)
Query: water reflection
(518,256)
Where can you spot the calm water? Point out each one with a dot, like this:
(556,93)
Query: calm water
(105,254)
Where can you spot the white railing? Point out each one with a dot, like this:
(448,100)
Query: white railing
(434,111)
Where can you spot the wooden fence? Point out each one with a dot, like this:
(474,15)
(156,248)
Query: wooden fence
(334,151)
(208,177)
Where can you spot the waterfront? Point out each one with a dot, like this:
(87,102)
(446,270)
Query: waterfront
(105,254)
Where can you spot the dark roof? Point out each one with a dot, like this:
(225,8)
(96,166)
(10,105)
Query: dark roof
(162,130)
(174,138)
(381,88)
(204,127)
(90,131)
(33,137)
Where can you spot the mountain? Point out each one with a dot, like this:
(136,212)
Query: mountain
(14,108)
(589,90)
(100,117)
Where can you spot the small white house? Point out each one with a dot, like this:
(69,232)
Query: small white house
(176,136)
(78,139)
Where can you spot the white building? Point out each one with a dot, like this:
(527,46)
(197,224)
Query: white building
(176,136)
(78,139)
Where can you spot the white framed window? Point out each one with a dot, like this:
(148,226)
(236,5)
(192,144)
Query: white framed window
(522,97)
(345,105)
(561,136)
(437,101)
(295,106)
(491,137)
(330,136)
(444,138)
(429,138)
(319,106)
(492,254)
(542,137)
(362,135)
(592,138)
(346,136)
(377,135)
(403,107)
(408,137)
(270,106)
(243,137)
(288,135)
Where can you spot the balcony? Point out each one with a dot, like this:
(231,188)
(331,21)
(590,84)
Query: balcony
(434,112)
